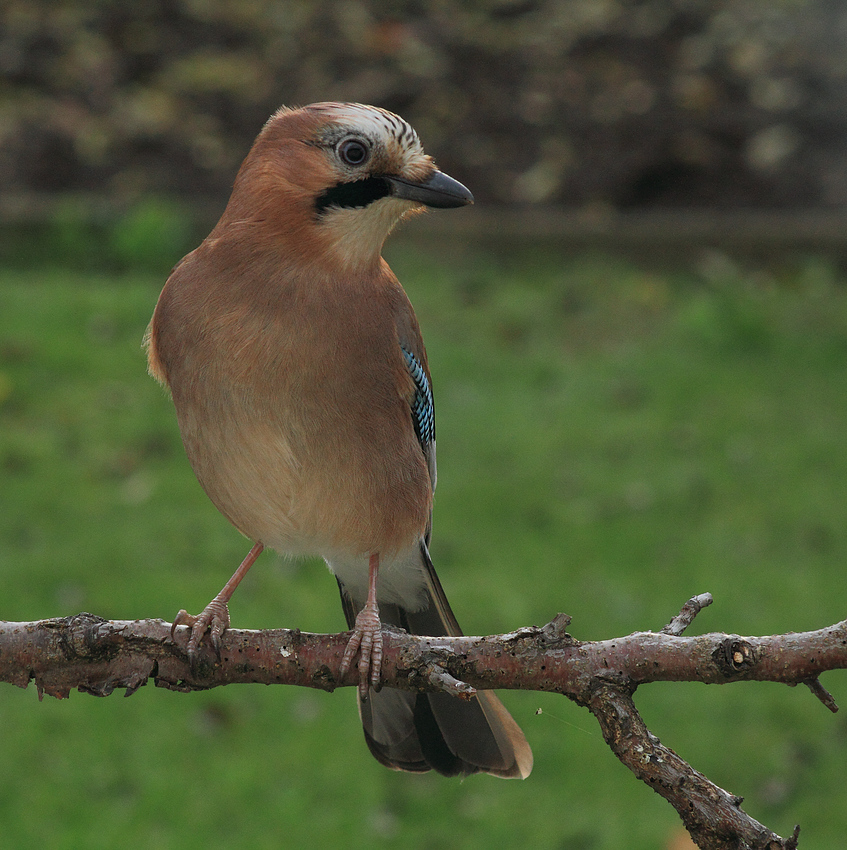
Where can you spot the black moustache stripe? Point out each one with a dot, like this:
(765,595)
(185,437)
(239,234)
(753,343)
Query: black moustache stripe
(354,195)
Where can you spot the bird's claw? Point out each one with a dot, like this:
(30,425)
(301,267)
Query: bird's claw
(213,619)
(367,641)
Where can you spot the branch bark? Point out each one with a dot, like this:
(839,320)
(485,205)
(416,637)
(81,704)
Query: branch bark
(97,656)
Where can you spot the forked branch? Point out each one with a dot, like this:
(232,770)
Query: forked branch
(97,656)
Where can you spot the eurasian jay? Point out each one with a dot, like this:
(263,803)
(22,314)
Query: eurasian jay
(304,400)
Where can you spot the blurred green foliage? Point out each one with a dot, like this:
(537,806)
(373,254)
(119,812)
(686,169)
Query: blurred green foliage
(623,103)
(147,236)
(613,438)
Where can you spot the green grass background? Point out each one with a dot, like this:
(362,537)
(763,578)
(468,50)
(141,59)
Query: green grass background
(613,437)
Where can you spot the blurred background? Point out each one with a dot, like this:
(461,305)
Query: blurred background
(638,338)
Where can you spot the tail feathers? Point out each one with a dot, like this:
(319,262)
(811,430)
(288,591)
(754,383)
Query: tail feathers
(420,732)
(390,731)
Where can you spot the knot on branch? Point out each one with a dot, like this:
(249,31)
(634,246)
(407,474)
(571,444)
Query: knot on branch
(85,637)
(733,656)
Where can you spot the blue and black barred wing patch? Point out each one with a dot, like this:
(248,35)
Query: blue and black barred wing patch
(423,406)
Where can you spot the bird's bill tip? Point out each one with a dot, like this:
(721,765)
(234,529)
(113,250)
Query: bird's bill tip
(438,190)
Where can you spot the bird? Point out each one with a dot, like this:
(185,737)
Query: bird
(303,396)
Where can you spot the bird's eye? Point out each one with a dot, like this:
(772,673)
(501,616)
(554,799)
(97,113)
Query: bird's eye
(353,151)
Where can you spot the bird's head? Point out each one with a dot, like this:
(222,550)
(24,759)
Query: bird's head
(337,177)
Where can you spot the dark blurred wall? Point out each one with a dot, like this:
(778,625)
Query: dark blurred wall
(591,102)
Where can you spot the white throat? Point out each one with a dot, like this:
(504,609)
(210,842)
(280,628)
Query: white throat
(356,235)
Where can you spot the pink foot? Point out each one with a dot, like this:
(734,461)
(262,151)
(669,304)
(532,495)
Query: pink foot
(214,619)
(367,641)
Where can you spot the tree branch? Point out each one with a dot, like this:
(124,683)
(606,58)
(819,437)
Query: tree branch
(97,656)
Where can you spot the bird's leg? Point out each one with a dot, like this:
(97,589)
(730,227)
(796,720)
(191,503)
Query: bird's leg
(367,637)
(215,616)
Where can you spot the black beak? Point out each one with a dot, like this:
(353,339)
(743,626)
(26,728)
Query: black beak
(438,190)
